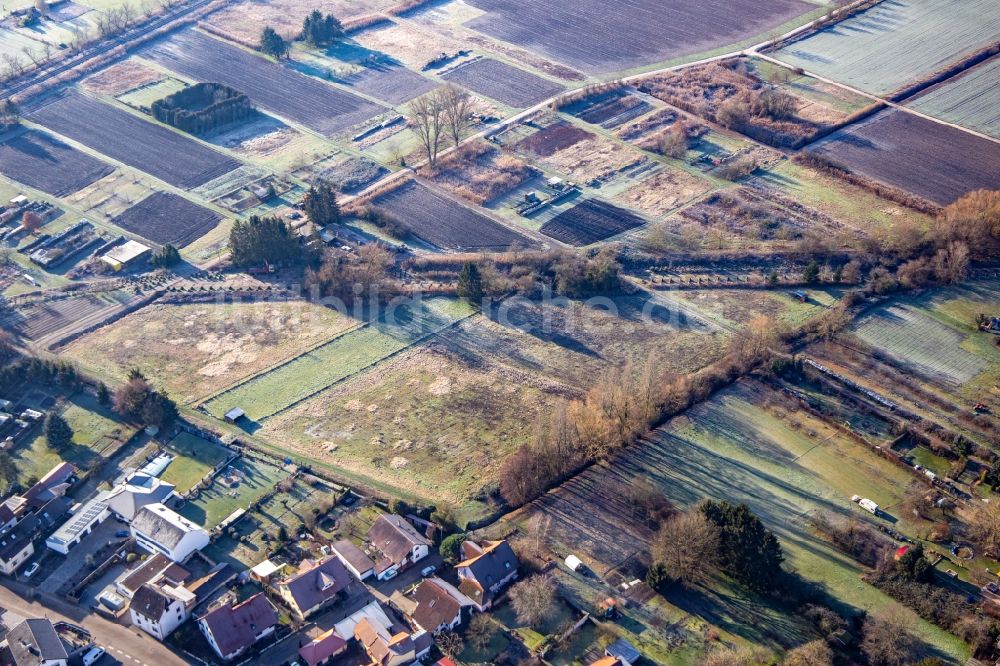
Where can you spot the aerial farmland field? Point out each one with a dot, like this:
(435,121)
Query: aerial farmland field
(504,83)
(296,97)
(590,221)
(743,445)
(281,387)
(587,36)
(932,160)
(198,349)
(164,217)
(39,161)
(242,21)
(934,335)
(971,99)
(874,50)
(129,139)
(446,223)
(438,419)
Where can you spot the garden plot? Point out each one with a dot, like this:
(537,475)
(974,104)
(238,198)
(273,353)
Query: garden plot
(932,160)
(40,318)
(236,487)
(129,139)
(46,164)
(744,445)
(404,43)
(281,90)
(234,181)
(504,83)
(142,98)
(663,191)
(590,221)
(609,110)
(390,83)
(586,35)
(121,78)
(971,99)
(480,173)
(164,217)
(753,214)
(582,156)
(875,49)
(242,21)
(445,223)
(194,458)
(269,393)
(915,339)
(197,349)
(349,174)
(112,195)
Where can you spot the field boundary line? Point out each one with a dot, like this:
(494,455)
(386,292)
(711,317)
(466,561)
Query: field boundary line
(368,367)
(198,403)
(899,106)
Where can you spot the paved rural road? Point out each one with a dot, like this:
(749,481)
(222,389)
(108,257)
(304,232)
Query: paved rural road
(127,645)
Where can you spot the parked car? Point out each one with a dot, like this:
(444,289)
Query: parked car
(121,534)
(30,571)
(427,571)
(93,656)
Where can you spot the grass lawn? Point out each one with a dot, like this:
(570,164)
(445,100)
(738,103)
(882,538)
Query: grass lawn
(195,457)
(212,505)
(96,434)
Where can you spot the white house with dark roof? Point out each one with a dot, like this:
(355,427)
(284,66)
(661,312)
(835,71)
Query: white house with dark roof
(398,543)
(138,490)
(33,642)
(159,609)
(232,629)
(485,570)
(159,529)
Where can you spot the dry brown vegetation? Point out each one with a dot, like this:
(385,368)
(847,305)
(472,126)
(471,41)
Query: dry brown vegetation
(726,93)
(662,192)
(243,21)
(479,172)
(121,78)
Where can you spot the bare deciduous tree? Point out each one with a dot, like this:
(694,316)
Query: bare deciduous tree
(984,528)
(533,599)
(687,546)
(814,653)
(458,106)
(887,639)
(427,117)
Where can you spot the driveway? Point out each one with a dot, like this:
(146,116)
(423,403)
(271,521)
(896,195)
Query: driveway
(410,577)
(76,560)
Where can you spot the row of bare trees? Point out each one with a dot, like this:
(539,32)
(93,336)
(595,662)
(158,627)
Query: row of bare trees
(443,114)
(621,408)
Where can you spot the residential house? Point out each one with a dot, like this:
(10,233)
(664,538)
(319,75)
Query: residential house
(383,648)
(159,529)
(316,585)
(159,609)
(54,484)
(7,516)
(17,544)
(439,606)
(138,490)
(158,567)
(323,648)
(82,522)
(485,570)
(355,559)
(33,642)
(231,629)
(398,543)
